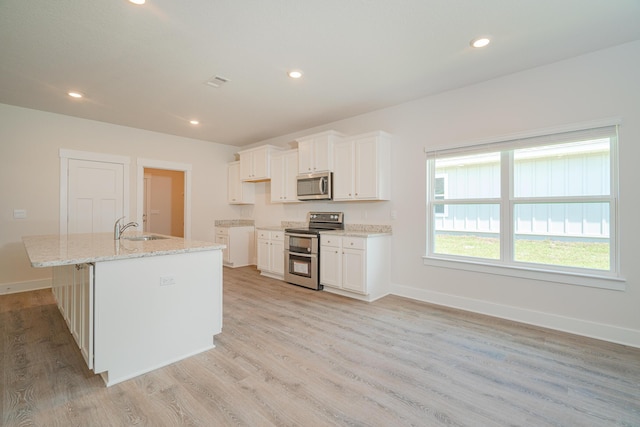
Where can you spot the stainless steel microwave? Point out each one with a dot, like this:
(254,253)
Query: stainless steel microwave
(315,186)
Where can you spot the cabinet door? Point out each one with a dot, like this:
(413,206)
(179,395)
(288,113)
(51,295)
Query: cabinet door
(366,173)
(263,254)
(353,270)
(86,320)
(246,166)
(290,177)
(278,174)
(238,192)
(233,183)
(331,266)
(305,156)
(323,154)
(277,256)
(226,252)
(261,165)
(343,171)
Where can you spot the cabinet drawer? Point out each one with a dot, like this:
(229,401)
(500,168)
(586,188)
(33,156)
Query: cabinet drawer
(222,231)
(353,242)
(271,235)
(333,241)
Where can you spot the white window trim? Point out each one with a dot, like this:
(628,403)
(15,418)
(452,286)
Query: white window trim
(592,278)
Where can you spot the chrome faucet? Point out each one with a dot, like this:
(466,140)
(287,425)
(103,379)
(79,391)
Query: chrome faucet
(118,229)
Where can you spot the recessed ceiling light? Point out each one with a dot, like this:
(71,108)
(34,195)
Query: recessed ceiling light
(295,74)
(480,42)
(137,1)
(76,95)
(194,122)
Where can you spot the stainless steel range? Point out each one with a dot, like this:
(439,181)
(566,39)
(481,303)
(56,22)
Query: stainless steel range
(302,248)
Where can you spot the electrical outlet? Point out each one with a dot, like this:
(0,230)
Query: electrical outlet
(167,280)
(19,214)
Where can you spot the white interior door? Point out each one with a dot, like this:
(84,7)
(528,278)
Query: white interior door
(95,195)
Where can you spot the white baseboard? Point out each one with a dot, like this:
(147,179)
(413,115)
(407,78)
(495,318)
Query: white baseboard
(615,334)
(30,285)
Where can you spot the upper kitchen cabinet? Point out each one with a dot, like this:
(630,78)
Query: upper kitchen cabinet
(255,163)
(315,152)
(284,170)
(238,192)
(362,168)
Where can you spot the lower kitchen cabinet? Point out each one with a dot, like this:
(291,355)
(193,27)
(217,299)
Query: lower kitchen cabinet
(239,242)
(358,267)
(270,249)
(73,289)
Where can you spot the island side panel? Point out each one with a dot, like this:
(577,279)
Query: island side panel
(153,311)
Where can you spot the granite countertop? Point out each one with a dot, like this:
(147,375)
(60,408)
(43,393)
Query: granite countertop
(271,228)
(54,250)
(362,230)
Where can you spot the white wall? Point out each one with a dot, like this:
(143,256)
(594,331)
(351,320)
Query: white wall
(588,88)
(30,174)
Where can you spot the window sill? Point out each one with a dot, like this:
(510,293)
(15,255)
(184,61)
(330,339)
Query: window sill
(594,281)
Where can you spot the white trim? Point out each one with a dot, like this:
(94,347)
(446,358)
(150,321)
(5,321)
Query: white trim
(94,157)
(29,285)
(545,275)
(613,121)
(142,163)
(65,155)
(611,333)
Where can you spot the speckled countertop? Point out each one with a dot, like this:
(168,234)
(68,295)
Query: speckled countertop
(53,250)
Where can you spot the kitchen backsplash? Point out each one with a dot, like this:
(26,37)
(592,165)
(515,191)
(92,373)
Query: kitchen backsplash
(234,222)
(365,228)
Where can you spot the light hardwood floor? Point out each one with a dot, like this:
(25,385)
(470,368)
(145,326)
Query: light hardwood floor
(289,356)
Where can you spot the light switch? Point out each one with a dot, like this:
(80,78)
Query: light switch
(19,214)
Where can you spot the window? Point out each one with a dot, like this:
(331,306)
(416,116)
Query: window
(545,203)
(440,193)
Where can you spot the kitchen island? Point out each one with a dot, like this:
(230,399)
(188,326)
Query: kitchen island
(134,305)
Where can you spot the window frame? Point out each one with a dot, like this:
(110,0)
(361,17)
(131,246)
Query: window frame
(507,265)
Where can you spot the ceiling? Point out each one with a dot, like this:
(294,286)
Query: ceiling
(146,66)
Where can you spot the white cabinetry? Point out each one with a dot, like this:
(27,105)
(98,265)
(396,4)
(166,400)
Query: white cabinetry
(238,191)
(255,164)
(284,170)
(315,152)
(270,253)
(73,290)
(239,242)
(358,267)
(362,168)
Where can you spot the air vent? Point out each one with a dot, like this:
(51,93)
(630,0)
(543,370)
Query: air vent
(216,81)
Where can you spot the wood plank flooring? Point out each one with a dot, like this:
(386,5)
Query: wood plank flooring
(289,356)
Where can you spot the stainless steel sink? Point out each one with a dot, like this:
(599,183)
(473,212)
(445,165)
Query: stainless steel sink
(145,237)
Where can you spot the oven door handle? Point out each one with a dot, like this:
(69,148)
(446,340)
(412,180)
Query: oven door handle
(301,254)
(304,236)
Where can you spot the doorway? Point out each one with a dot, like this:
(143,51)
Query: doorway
(145,198)
(163,210)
